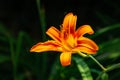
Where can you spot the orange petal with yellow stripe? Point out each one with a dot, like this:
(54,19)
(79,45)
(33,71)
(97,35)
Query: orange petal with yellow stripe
(46,46)
(69,23)
(83,30)
(65,58)
(84,49)
(54,33)
(88,43)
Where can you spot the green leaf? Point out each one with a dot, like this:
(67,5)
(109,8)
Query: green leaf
(106,29)
(72,78)
(19,45)
(83,69)
(4,58)
(110,49)
(102,76)
(113,66)
(54,70)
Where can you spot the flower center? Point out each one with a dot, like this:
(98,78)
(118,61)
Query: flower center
(69,43)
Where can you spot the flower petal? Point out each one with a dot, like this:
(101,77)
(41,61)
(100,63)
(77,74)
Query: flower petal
(65,58)
(54,33)
(83,30)
(69,23)
(84,49)
(87,42)
(46,46)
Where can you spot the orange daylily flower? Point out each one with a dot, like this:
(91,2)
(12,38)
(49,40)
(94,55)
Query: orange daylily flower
(67,40)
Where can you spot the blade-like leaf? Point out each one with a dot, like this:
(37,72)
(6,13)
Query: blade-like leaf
(54,70)
(113,66)
(106,29)
(110,49)
(83,69)
(102,76)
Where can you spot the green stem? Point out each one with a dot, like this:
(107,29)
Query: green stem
(104,69)
(38,7)
(41,13)
(82,54)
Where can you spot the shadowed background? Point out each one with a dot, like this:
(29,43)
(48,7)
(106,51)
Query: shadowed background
(23,23)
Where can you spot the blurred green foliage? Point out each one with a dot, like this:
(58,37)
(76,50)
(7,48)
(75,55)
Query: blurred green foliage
(17,63)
